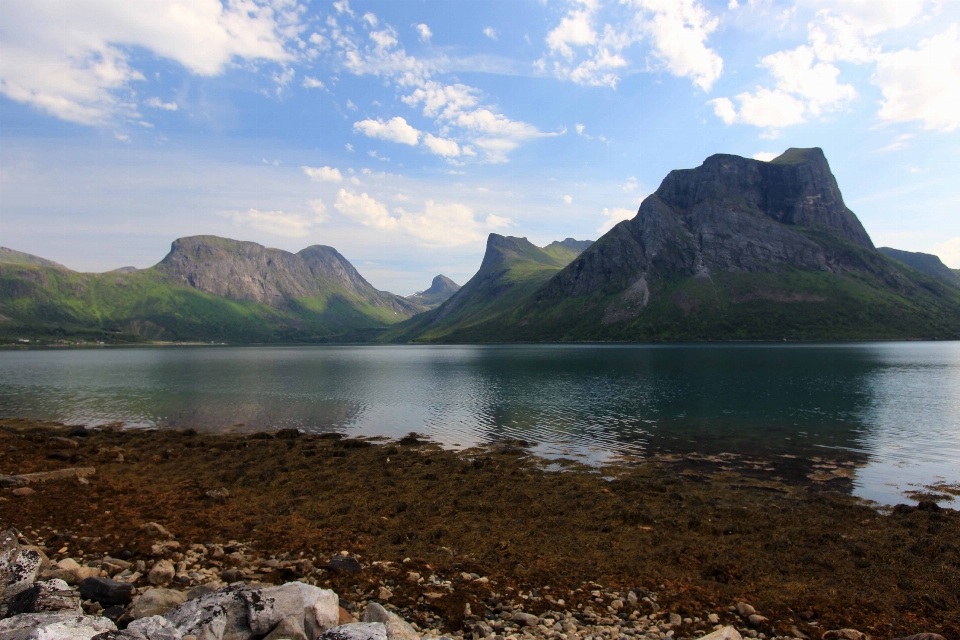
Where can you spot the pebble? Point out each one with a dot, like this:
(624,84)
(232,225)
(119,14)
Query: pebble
(745,610)
(22,492)
(162,573)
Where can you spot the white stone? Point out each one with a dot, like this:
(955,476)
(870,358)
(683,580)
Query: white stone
(357,631)
(53,626)
(726,633)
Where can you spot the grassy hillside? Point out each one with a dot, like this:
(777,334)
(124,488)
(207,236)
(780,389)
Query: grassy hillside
(45,303)
(871,298)
(512,270)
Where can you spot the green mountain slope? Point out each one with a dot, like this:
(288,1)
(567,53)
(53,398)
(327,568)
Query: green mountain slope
(735,249)
(925,262)
(512,269)
(206,289)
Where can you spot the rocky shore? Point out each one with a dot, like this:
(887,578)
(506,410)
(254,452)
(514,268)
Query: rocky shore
(132,534)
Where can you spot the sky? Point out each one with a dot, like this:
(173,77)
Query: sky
(403,132)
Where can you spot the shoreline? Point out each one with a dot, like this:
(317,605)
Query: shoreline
(692,536)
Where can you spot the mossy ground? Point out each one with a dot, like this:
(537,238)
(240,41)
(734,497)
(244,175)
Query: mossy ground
(702,532)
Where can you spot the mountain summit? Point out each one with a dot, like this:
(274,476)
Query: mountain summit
(439,292)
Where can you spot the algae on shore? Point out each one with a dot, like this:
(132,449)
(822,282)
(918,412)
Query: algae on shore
(701,533)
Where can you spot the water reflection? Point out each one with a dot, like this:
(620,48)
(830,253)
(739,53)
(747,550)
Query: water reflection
(896,405)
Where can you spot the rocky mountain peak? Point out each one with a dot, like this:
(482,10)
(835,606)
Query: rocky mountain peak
(797,189)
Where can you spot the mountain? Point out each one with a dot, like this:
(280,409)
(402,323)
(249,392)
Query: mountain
(925,262)
(735,249)
(9,256)
(439,292)
(512,269)
(206,288)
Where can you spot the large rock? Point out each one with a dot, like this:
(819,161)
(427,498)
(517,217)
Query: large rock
(397,627)
(288,629)
(106,591)
(44,596)
(19,567)
(356,631)
(161,573)
(54,626)
(156,602)
(224,606)
(315,609)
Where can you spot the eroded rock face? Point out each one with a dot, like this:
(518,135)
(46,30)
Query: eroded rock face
(357,631)
(729,214)
(224,606)
(397,628)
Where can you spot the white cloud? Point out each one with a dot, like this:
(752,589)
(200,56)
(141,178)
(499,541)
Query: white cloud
(441,146)
(440,224)
(804,88)
(679,29)
(949,252)
(580,129)
(278,223)
(613,217)
(899,143)
(676,30)
(574,29)
(922,84)
(319,208)
(630,184)
(370,19)
(351,105)
(568,199)
(765,156)
(70,59)
(451,105)
(348,147)
(343,6)
(312,83)
(323,174)
(395,130)
(157,103)
(490,32)
(122,137)
(424,32)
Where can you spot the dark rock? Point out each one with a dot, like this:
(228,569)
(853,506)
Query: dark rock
(107,592)
(200,590)
(929,505)
(439,292)
(79,431)
(287,433)
(47,595)
(343,564)
(126,554)
(923,636)
(231,575)
(114,612)
(59,455)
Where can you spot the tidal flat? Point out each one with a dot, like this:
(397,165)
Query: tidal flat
(618,544)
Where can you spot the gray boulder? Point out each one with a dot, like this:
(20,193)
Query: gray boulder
(288,629)
(356,631)
(314,609)
(397,627)
(154,628)
(54,626)
(224,606)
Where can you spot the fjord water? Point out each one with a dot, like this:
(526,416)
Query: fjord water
(893,407)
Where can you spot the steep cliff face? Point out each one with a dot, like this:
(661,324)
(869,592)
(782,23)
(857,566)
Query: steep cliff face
(251,272)
(441,289)
(730,214)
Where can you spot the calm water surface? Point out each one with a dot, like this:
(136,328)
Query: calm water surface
(894,405)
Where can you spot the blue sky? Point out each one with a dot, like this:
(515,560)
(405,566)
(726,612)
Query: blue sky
(402,133)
